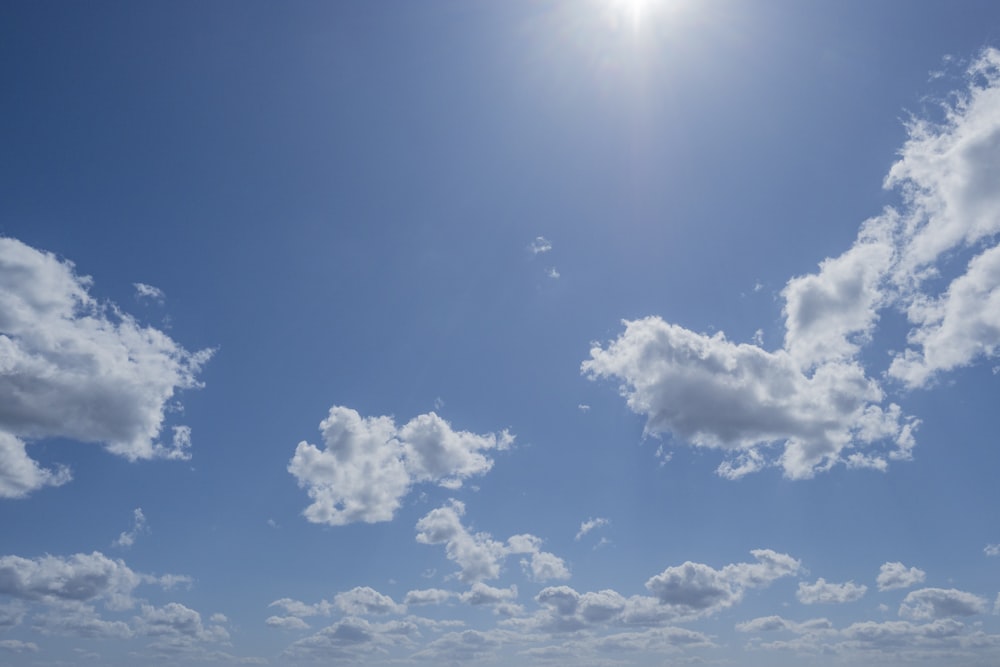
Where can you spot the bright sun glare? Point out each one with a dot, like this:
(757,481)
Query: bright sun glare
(634,11)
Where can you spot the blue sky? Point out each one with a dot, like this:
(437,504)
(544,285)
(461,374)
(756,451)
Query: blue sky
(600,332)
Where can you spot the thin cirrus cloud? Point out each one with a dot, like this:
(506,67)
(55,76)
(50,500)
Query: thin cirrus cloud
(76,368)
(812,404)
(367,465)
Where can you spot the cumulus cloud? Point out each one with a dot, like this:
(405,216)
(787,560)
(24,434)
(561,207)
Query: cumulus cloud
(363,600)
(683,592)
(812,400)
(81,577)
(480,556)
(368,464)
(942,641)
(823,592)
(482,594)
(427,596)
(896,575)
(928,603)
(738,397)
(286,622)
(696,588)
(177,622)
(302,609)
(352,639)
(75,368)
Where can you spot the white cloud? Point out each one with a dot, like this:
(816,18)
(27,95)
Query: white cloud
(480,556)
(20,474)
(17,646)
(462,648)
(812,398)
(367,465)
(428,596)
(896,575)
(741,398)
(176,621)
(77,619)
(286,622)
(540,245)
(302,609)
(81,577)
(591,524)
(822,592)
(553,273)
(696,588)
(352,640)
(928,603)
(992,550)
(481,594)
(144,291)
(683,592)
(363,600)
(74,368)
(127,538)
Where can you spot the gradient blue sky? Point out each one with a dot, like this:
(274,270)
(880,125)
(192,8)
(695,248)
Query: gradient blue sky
(589,332)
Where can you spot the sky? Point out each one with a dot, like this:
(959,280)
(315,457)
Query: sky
(579,332)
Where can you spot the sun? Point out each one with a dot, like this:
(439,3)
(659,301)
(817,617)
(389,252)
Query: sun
(634,11)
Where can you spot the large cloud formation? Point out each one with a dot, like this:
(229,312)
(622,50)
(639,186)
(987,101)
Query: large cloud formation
(368,464)
(75,368)
(934,258)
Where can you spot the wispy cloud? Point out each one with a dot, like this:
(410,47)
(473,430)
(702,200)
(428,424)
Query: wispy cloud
(540,245)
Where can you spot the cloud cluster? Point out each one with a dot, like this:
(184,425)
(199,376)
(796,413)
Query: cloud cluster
(813,399)
(368,464)
(480,556)
(74,368)
(72,595)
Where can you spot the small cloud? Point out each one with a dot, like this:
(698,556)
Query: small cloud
(552,273)
(144,291)
(540,245)
(591,524)
(583,407)
(758,286)
(663,455)
(438,403)
(992,550)
(127,538)
(272,523)
(758,338)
